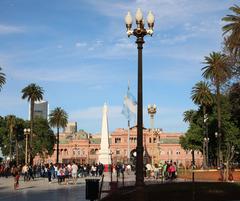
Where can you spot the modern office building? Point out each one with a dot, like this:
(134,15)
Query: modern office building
(40,109)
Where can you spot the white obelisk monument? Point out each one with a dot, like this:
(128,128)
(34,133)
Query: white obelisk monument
(104,152)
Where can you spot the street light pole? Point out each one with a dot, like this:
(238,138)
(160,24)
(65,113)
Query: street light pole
(26,133)
(139,33)
(158,132)
(218,136)
(152,109)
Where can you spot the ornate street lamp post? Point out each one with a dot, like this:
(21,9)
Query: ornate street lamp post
(218,136)
(26,131)
(206,140)
(157,132)
(152,109)
(139,33)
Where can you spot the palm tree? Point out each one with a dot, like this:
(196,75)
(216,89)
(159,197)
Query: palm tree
(189,115)
(202,96)
(233,29)
(58,118)
(218,70)
(2,78)
(33,93)
(11,123)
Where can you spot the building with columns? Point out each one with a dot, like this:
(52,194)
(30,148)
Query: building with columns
(84,148)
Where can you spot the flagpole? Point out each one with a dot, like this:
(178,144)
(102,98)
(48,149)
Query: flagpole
(128,151)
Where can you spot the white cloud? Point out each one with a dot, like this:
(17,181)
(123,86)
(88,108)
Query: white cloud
(175,39)
(80,44)
(87,75)
(95,113)
(8,29)
(124,44)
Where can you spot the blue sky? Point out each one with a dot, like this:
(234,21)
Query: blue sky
(78,51)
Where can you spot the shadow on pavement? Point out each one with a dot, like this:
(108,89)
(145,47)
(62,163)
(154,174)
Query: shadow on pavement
(70,193)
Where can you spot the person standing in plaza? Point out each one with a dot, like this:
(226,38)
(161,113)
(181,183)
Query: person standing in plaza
(149,170)
(74,172)
(30,173)
(25,172)
(49,173)
(55,171)
(16,175)
(100,169)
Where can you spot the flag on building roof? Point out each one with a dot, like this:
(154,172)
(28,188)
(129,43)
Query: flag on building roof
(129,105)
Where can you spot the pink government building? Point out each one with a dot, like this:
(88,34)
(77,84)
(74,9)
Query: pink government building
(159,145)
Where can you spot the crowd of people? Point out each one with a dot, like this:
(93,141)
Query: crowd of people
(63,173)
(166,171)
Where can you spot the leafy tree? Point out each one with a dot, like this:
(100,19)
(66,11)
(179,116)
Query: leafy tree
(32,93)
(4,136)
(202,96)
(2,78)
(192,140)
(17,138)
(58,118)
(11,124)
(43,138)
(234,98)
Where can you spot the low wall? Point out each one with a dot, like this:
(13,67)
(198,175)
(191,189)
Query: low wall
(211,175)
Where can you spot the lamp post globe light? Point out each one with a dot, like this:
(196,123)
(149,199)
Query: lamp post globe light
(152,109)
(26,133)
(139,32)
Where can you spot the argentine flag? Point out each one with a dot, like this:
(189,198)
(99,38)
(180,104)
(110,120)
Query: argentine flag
(129,106)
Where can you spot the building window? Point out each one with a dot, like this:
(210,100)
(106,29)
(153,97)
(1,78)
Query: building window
(170,152)
(154,140)
(73,152)
(133,139)
(117,140)
(92,151)
(117,152)
(178,152)
(150,140)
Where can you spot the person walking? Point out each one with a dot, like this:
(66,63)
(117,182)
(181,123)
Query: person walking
(74,172)
(16,175)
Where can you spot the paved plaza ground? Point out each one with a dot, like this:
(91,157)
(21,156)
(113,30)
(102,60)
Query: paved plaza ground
(41,190)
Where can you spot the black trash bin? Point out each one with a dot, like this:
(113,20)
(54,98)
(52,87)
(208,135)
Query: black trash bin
(92,189)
